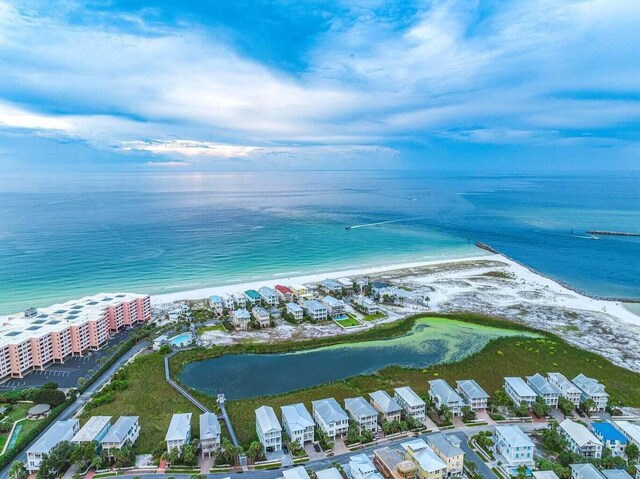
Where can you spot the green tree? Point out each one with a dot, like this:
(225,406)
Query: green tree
(522,410)
(468,414)
(540,407)
(255,452)
(18,471)
(189,455)
(164,349)
(173,456)
(552,440)
(632,452)
(588,405)
(566,406)
(445,413)
(58,458)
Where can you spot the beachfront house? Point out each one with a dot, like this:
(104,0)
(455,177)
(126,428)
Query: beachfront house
(361,467)
(444,395)
(179,432)
(301,292)
(519,391)
(580,440)
(473,395)
(346,283)
(269,296)
(298,423)
(268,429)
(228,301)
(411,403)
(331,286)
(124,431)
(296,311)
(428,464)
(630,430)
(568,390)
(58,432)
(616,474)
(253,297)
(361,283)
(590,388)
(262,316)
(611,438)
(209,433)
(365,304)
(93,430)
(315,310)
(240,300)
(514,446)
(330,417)
(284,293)
(447,447)
(392,464)
(585,471)
(386,405)
(543,388)
(217,304)
(335,307)
(295,473)
(378,288)
(362,413)
(241,319)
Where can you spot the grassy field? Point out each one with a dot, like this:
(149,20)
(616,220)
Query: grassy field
(215,327)
(373,317)
(154,401)
(19,411)
(347,322)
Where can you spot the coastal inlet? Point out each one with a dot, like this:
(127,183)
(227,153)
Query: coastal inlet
(431,341)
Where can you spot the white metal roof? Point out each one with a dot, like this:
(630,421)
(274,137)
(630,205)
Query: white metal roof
(472,389)
(580,434)
(514,436)
(297,416)
(329,410)
(266,419)
(541,386)
(331,473)
(446,393)
(427,459)
(359,407)
(179,427)
(118,432)
(586,471)
(521,388)
(94,426)
(631,430)
(58,432)
(209,426)
(386,402)
(409,396)
(295,473)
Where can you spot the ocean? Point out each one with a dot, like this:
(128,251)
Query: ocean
(164,232)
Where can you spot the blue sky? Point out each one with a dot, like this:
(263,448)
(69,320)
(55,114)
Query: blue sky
(450,85)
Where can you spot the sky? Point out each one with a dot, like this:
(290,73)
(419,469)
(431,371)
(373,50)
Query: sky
(510,85)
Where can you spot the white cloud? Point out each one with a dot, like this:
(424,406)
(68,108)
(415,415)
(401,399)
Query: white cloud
(12,117)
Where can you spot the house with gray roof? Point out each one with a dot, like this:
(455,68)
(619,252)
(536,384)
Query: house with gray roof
(268,295)
(447,447)
(330,417)
(58,432)
(568,390)
(544,389)
(585,471)
(296,311)
(315,309)
(124,431)
(519,391)
(411,403)
(444,395)
(615,474)
(268,429)
(262,316)
(331,286)
(209,433)
(580,440)
(362,412)
(179,432)
(241,319)
(93,430)
(514,446)
(386,405)
(335,307)
(591,388)
(298,423)
(473,395)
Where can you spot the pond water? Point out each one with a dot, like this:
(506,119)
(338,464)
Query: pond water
(431,341)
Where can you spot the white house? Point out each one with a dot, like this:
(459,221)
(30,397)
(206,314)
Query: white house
(124,431)
(179,432)
(361,467)
(241,319)
(447,447)
(330,473)
(209,433)
(268,429)
(630,430)
(366,304)
(298,423)
(240,300)
(58,432)
(514,445)
(585,471)
(331,286)
(295,473)
(315,309)
(296,311)
(262,316)
(411,403)
(228,301)
(335,307)
(93,430)
(590,388)
(385,404)
(544,389)
(362,412)
(473,395)
(444,395)
(330,417)
(269,296)
(580,439)
(346,283)
(568,390)
(216,303)
(544,475)
(519,391)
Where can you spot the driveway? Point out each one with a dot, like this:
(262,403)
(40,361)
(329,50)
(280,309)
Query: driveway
(470,455)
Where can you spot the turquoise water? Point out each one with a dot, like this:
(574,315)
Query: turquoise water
(166,232)
(431,341)
(181,340)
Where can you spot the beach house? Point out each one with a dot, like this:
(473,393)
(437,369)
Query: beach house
(428,464)
(331,286)
(346,283)
(335,307)
(253,297)
(209,433)
(269,296)
(611,438)
(298,423)
(228,301)
(268,429)
(366,305)
(179,432)
(58,432)
(386,405)
(392,464)
(295,473)
(296,311)
(262,316)
(241,319)
(124,431)
(568,390)
(315,310)
(543,388)
(93,430)
(362,413)
(544,475)
(411,403)
(473,395)
(361,467)
(330,417)
(447,447)
(580,440)
(330,473)
(444,395)
(514,446)
(240,300)
(378,288)
(590,388)
(519,391)
(585,471)
(301,292)
(217,304)
(630,430)
(284,293)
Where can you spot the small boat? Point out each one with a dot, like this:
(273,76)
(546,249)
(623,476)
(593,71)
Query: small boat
(347,227)
(593,237)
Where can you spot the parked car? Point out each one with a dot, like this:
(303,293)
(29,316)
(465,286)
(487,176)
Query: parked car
(270,449)
(285,449)
(316,446)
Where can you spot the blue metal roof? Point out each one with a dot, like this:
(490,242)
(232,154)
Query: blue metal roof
(608,432)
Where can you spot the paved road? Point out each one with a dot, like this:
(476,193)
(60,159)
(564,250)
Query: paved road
(82,399)
(470,455)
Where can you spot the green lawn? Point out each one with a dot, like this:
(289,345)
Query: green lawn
(348,322)
(373,317)
(215,327)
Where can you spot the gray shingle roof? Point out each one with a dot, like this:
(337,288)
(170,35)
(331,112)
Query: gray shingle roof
(329,410)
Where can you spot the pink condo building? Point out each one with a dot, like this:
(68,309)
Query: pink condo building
(35,339)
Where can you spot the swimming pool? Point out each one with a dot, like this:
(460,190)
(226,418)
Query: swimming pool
(181,340)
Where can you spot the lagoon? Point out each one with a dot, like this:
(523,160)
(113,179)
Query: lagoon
(431,341)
